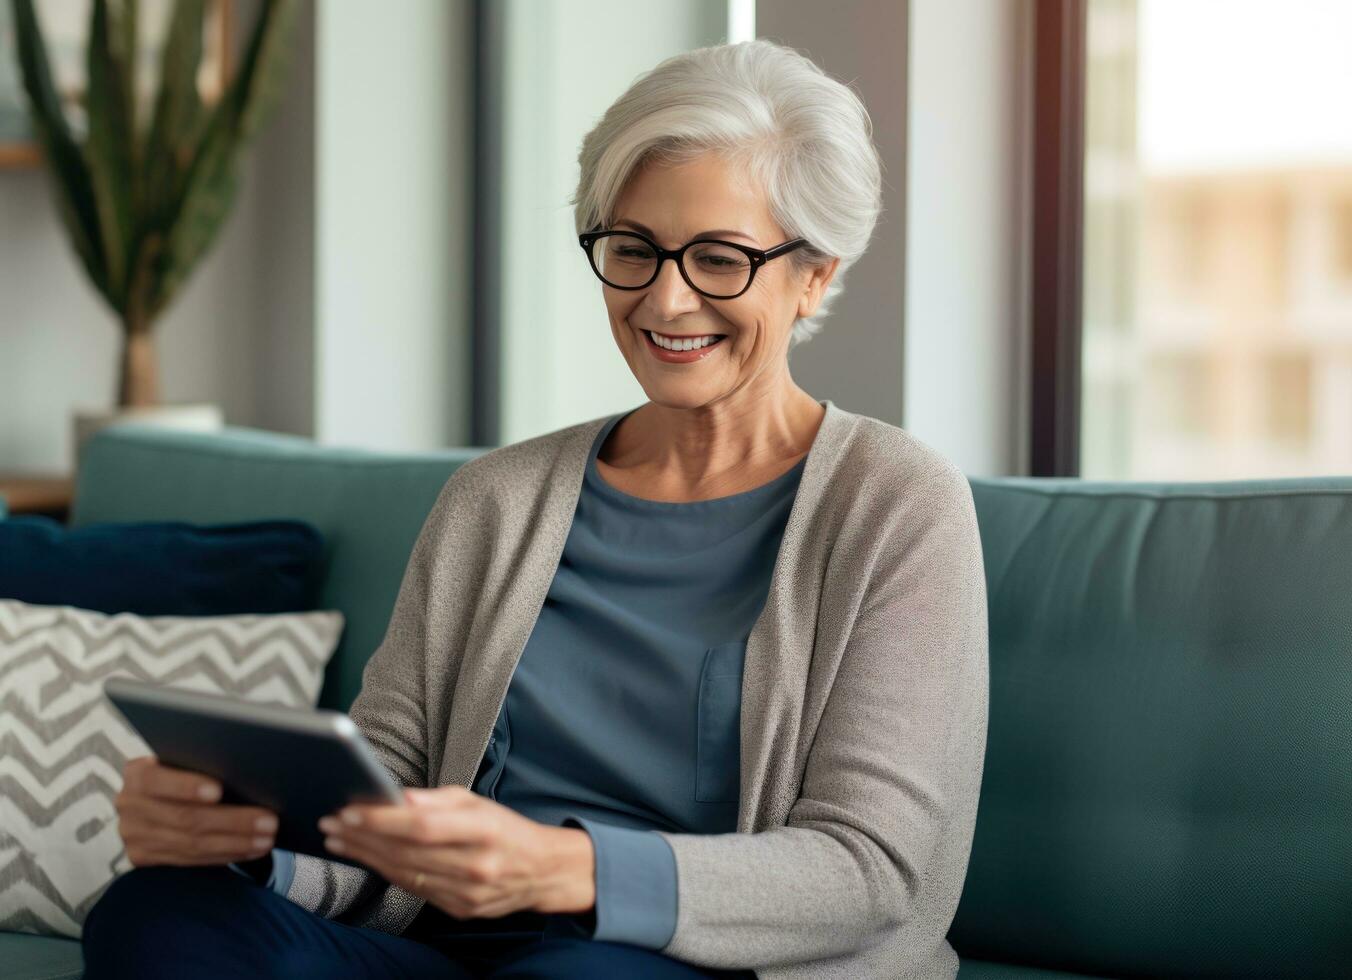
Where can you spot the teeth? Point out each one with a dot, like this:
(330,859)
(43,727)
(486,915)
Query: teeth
(685,343)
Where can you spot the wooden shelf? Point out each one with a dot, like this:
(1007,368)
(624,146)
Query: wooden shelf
(37,494)
(20,156)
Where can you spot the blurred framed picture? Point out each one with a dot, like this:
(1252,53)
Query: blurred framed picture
(65,28)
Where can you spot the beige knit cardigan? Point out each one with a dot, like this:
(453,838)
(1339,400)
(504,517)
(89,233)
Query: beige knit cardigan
(864,701)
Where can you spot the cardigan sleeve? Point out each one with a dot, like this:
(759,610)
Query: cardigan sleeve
(391,715)
(895,767)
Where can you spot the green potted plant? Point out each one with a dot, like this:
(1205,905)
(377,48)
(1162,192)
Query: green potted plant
(143,192)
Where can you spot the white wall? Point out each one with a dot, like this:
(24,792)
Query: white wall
(560,362)
(968,254)
(393,223)
(283,308)
(856,360)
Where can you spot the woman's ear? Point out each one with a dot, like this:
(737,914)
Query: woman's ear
(819,277)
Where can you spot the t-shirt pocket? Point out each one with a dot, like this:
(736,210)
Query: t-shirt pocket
(718,747)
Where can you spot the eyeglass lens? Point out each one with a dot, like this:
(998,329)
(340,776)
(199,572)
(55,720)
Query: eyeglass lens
(627,261)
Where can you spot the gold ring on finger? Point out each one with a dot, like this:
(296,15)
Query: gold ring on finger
(418,879)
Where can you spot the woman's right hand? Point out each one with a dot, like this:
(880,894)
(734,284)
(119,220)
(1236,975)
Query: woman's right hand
(172,816)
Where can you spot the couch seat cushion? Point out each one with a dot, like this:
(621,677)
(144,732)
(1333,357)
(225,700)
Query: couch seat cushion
(40,957)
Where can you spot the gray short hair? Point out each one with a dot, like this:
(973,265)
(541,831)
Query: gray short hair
(805,136)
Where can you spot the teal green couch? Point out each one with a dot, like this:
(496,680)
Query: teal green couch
(1168,779)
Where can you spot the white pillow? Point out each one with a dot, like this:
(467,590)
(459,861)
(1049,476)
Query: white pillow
(63,745)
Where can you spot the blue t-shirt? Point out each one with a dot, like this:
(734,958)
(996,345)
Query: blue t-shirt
(622,716)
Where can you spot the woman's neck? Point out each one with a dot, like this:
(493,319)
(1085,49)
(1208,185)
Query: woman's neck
(712,451)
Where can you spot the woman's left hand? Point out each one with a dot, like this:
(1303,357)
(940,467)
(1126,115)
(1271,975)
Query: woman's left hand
(470,856)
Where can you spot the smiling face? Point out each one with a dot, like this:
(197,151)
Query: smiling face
(672,204)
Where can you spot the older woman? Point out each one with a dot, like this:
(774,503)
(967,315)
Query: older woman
(695,690)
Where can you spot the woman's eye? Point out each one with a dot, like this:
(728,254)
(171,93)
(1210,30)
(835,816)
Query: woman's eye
(721,262)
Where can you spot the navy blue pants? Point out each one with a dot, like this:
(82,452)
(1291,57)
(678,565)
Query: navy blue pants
(211,922)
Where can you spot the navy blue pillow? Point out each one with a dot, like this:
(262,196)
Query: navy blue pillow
(163,568)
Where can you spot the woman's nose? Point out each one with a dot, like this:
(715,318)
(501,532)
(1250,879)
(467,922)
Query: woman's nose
(670,295)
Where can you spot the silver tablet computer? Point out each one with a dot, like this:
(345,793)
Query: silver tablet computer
(301,763)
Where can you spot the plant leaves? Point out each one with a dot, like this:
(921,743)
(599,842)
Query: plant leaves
(212,179)
(142,215)
(109,147)
(176,124)
(70,179)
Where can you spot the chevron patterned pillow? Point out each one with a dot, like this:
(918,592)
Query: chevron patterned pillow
(63,745)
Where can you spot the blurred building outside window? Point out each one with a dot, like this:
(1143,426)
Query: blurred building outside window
(1218,240)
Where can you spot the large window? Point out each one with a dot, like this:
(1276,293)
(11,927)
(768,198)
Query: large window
(1217,276)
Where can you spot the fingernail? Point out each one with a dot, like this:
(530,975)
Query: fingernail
(351,817)
(262,843)
(266,824)
(333,844)
(328,825)
(208,792)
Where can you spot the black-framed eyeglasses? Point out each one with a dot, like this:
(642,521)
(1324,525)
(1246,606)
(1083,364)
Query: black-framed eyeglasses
(711,267)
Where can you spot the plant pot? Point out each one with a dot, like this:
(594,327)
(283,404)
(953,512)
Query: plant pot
(195,418)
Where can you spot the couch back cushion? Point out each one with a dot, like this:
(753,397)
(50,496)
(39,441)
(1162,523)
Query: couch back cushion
(369,506)
(1168,778)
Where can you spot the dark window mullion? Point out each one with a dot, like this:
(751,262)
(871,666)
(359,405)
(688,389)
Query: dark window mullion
(486,274)
(1058,223)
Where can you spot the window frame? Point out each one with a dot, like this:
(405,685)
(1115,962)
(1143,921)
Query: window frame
(1057,291)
